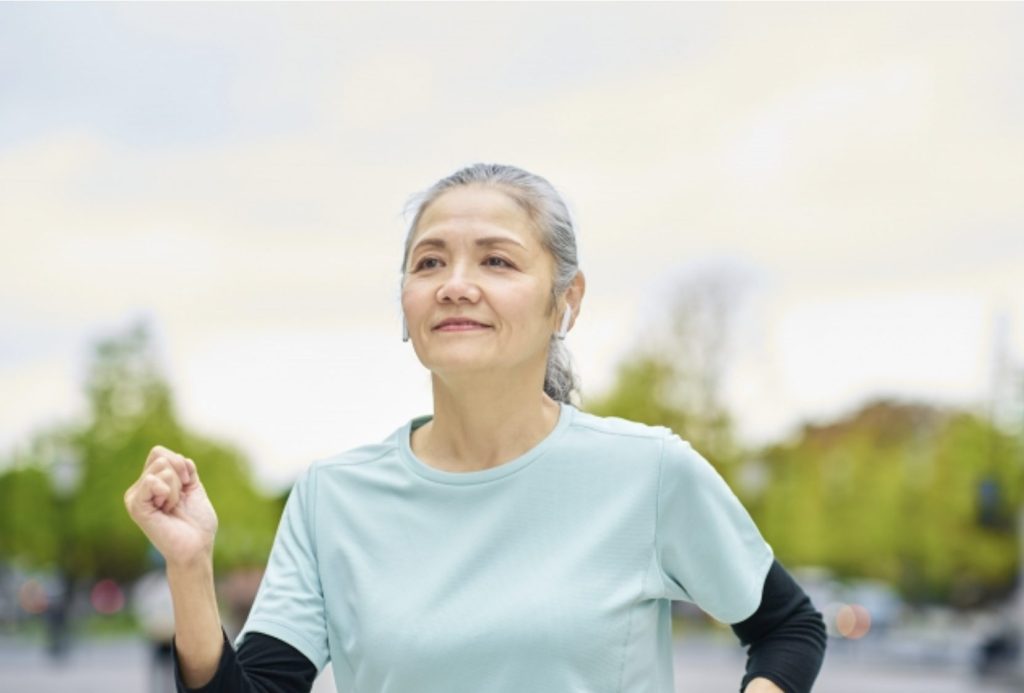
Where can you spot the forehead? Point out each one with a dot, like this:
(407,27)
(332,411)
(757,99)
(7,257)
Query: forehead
(472,209)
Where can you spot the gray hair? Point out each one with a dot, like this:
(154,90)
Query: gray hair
(550,217)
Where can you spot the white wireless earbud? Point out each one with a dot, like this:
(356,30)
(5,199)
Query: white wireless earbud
(564,329)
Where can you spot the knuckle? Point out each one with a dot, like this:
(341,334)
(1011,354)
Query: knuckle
(161,452)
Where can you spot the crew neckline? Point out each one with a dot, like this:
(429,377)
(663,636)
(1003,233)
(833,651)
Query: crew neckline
(479,476)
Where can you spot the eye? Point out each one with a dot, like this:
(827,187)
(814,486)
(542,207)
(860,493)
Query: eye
(419,264)
(500,259)
(422,263)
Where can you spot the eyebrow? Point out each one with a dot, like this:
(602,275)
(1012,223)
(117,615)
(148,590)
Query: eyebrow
(487,241)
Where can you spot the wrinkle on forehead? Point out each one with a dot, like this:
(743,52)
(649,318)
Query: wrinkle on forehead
(486,208)
(486,211)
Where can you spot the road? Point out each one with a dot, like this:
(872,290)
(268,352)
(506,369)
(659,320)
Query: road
(701,666)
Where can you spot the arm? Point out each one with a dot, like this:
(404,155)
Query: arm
(262,664)
(170,506)
(198,635)
(786,635)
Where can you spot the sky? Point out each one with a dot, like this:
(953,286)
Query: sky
(236,174)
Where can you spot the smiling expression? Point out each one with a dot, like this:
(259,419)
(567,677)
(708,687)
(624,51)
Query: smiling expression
(475,255)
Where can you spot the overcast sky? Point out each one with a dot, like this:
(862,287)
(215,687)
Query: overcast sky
(236,174)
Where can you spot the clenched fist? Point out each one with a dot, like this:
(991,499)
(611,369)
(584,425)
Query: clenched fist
(169,504)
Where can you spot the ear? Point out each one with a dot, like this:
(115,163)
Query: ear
(574,295)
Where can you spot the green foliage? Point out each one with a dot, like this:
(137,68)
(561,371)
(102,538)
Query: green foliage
(640,389)
(28,519)
(894,491)
(645,390)
(90,533)
(923,498)
(248,519)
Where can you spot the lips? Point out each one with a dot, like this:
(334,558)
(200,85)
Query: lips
(459,321)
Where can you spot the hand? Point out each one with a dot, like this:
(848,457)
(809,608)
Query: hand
(762,685)
(169,504)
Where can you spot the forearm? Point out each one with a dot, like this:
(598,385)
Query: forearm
(762,685)
(198,636)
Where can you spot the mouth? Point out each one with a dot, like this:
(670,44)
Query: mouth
(460,327)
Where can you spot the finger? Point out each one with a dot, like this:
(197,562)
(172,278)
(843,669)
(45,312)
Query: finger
(130,496)
(193,472)
(154,492)
(155,466)
(157,451)
(175,463)
(180,467)
(160,452)
(173,482)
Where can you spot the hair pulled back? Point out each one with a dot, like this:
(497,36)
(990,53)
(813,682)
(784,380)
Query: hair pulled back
(550,216)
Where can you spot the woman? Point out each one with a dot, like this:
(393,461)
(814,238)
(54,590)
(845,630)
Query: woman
(508,542)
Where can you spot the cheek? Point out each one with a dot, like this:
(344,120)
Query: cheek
(412,311)
(527,312)
(413,298)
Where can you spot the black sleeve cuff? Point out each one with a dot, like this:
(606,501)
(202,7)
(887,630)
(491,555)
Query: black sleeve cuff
(215,685)
(786,635)
(262,664)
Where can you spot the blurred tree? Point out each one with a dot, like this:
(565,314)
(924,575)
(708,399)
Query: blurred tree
(675,374)
(28,519)
(91,465)
(698,343)
(919,496)
(891,492)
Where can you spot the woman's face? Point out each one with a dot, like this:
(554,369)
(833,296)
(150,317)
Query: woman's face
(475,255)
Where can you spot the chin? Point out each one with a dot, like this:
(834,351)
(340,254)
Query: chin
(457,366)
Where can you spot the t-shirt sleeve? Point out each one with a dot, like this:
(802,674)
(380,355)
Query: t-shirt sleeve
(709,551)
(289,603)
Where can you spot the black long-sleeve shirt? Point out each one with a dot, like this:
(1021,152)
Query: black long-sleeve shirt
(786,638)
(786,635)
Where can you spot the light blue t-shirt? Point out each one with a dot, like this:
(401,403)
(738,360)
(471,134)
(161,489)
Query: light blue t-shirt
(550,573)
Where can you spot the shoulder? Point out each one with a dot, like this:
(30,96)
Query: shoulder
(363,454)
(668,441)
(614,426)
(675,455)
(327,467)
(614,437)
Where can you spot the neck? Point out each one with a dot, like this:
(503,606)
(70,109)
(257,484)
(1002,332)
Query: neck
(478,425)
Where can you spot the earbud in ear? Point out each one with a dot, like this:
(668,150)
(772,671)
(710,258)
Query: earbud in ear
(564,329)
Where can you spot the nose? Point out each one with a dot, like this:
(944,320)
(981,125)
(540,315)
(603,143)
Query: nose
(457,286)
